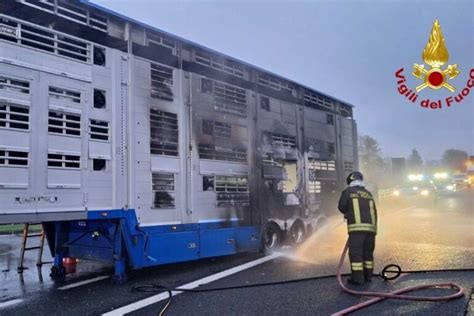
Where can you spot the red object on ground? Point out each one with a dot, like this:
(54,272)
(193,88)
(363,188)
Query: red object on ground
(379,296)
(70,265)
(69,261)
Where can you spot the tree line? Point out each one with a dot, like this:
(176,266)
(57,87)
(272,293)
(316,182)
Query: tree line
(377,169)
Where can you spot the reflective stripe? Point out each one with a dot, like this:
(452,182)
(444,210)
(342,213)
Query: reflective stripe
(372,211)
(362,224)
(357,266)
(361,227)
(355,206)
(369,264)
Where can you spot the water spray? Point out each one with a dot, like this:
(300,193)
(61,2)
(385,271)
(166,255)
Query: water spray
(390,272)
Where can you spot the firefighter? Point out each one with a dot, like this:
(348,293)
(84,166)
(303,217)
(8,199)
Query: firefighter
(358,207)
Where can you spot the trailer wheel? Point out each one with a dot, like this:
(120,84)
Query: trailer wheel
(297,233)
(271,236)
(309,230)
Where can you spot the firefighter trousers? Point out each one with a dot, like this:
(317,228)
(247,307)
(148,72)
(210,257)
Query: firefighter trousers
(361,255)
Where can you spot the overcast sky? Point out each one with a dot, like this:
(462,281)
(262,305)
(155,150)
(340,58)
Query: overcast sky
(349,49)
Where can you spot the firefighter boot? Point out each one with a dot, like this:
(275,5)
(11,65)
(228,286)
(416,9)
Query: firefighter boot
(357,275)
(368,270)
(354,282)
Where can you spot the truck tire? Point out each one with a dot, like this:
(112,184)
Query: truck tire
(297,233)
(271,236)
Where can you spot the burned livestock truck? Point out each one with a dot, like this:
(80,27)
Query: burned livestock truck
(134,146)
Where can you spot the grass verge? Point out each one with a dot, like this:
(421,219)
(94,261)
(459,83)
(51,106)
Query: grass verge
(6,229)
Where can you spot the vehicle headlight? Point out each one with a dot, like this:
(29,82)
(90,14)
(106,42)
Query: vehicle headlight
(450,187)
(396,192)
(425,192)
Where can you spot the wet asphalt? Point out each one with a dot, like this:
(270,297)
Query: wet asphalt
(416,234)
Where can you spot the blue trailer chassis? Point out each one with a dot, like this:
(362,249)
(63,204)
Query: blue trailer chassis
(114,236)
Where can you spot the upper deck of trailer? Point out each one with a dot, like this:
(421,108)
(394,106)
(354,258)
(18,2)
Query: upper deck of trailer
(93,23)
(207,49)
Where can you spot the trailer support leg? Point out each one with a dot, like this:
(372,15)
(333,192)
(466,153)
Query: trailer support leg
(57,270)
(120,275)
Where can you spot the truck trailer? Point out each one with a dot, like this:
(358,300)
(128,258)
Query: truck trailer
(137,147)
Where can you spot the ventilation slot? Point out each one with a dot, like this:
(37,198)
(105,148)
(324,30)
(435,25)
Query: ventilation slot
(219,153)
(157,39)
(313,99)
(99,130)
(14,85)
(231,191)
(163,190)
(12,116)
(161,82)
(274,83)
(13,158)
(217,129)
(64,123)
(64,95)
(229,99)
(313,185)
(70,12)
(220,64)
(346,111)
(348,166)
(329,165)
(285,141)
(64,161)
(164,133)
(45,40)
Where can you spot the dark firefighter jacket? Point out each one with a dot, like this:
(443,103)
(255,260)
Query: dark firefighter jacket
(358,207)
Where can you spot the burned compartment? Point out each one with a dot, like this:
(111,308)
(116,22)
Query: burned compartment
(282,180)
(161,82)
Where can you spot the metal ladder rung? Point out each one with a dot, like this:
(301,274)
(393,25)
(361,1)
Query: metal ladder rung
(24,248)
(32,248)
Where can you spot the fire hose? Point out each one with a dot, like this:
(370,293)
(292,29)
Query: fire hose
(397,294)
(377,296)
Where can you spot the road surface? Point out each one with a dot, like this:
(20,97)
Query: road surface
(416,235)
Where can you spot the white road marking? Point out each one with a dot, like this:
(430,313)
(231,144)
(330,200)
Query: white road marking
(10,303)
(162,296)
(73,285)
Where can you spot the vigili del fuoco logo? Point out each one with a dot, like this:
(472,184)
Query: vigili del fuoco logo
(436,77)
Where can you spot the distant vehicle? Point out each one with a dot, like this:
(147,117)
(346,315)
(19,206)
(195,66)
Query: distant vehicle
(419,189)
(460,180)
(444,186)
(470,176)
